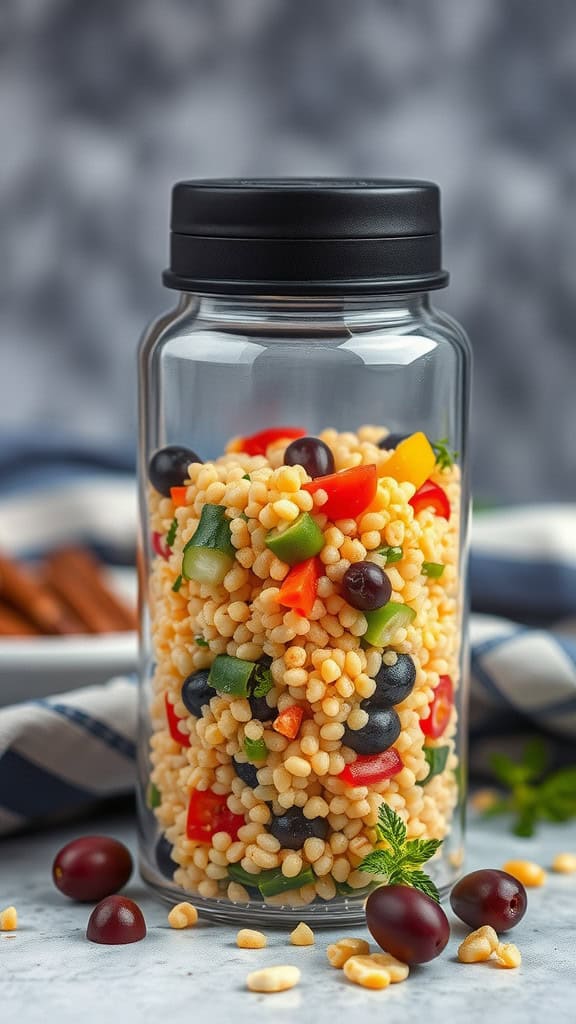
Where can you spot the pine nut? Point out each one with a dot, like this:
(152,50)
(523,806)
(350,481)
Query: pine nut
(247,938)
(8,919)
(339,952)
(478,946)
(273,979)
(183,915)
(302,935)
(364,971)
(564,863)
(508,955)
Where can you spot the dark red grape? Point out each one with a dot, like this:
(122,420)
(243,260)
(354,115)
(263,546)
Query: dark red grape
(116,921)
(366,586)
(92,867)
(292,829)
(169,467)
(381,730)
(312,454)
(407,923)
(393,683)
(489,897)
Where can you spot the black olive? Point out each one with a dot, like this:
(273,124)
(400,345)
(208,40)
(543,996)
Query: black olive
(393,683)
(392,440)
(169,467)
(196,693)
(292,829)
(261,709)
(247,772)
(381,730)
(166,865)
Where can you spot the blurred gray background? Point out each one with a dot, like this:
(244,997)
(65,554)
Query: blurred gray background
(105,103)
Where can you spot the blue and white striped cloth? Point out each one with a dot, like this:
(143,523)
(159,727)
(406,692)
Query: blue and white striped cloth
(61,754)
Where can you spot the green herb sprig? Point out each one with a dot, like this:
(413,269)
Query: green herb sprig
(262,680)
(401,863)
(171,535)
(445,457)
(533,796)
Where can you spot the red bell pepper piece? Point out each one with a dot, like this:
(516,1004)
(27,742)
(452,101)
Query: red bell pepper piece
(298,590)
(349,492)
(289,722)
(208,813)
(440,709)
(258,443)
(373,768)
(430,495)
(159,546)
(178,495)
(172,719)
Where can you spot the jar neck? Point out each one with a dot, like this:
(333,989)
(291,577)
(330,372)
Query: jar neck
(392,307)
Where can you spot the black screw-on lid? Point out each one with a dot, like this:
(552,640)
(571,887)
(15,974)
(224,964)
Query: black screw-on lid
(300,236)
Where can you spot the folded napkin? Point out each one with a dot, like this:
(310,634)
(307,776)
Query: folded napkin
(62,754)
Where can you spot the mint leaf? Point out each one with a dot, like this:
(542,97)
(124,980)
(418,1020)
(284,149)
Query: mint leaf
(391,828)
(379,862)
(400,864)
(418,851)
(437,758)
(535,758)
(531,798)
(177,583)
(420,880)
(201,642)
(445,458)
(171,535)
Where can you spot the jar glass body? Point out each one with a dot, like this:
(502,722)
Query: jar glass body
(220,368)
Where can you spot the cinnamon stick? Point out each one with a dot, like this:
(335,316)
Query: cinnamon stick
(76,578)
(21,590)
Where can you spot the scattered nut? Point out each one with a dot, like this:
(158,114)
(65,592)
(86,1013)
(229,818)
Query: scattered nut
(508,955)
(183,915)
(247,938)
(564,863)
(273,979)
(8,919)
(367,972)
(339,952)
(478,946)
(302,935)
(484,799)
(526,871)
(397,970)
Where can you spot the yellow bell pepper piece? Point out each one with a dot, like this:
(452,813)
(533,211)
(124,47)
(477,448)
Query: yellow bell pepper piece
(413,460)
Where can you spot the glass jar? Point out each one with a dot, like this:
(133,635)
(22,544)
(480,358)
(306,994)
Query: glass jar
(303,601)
